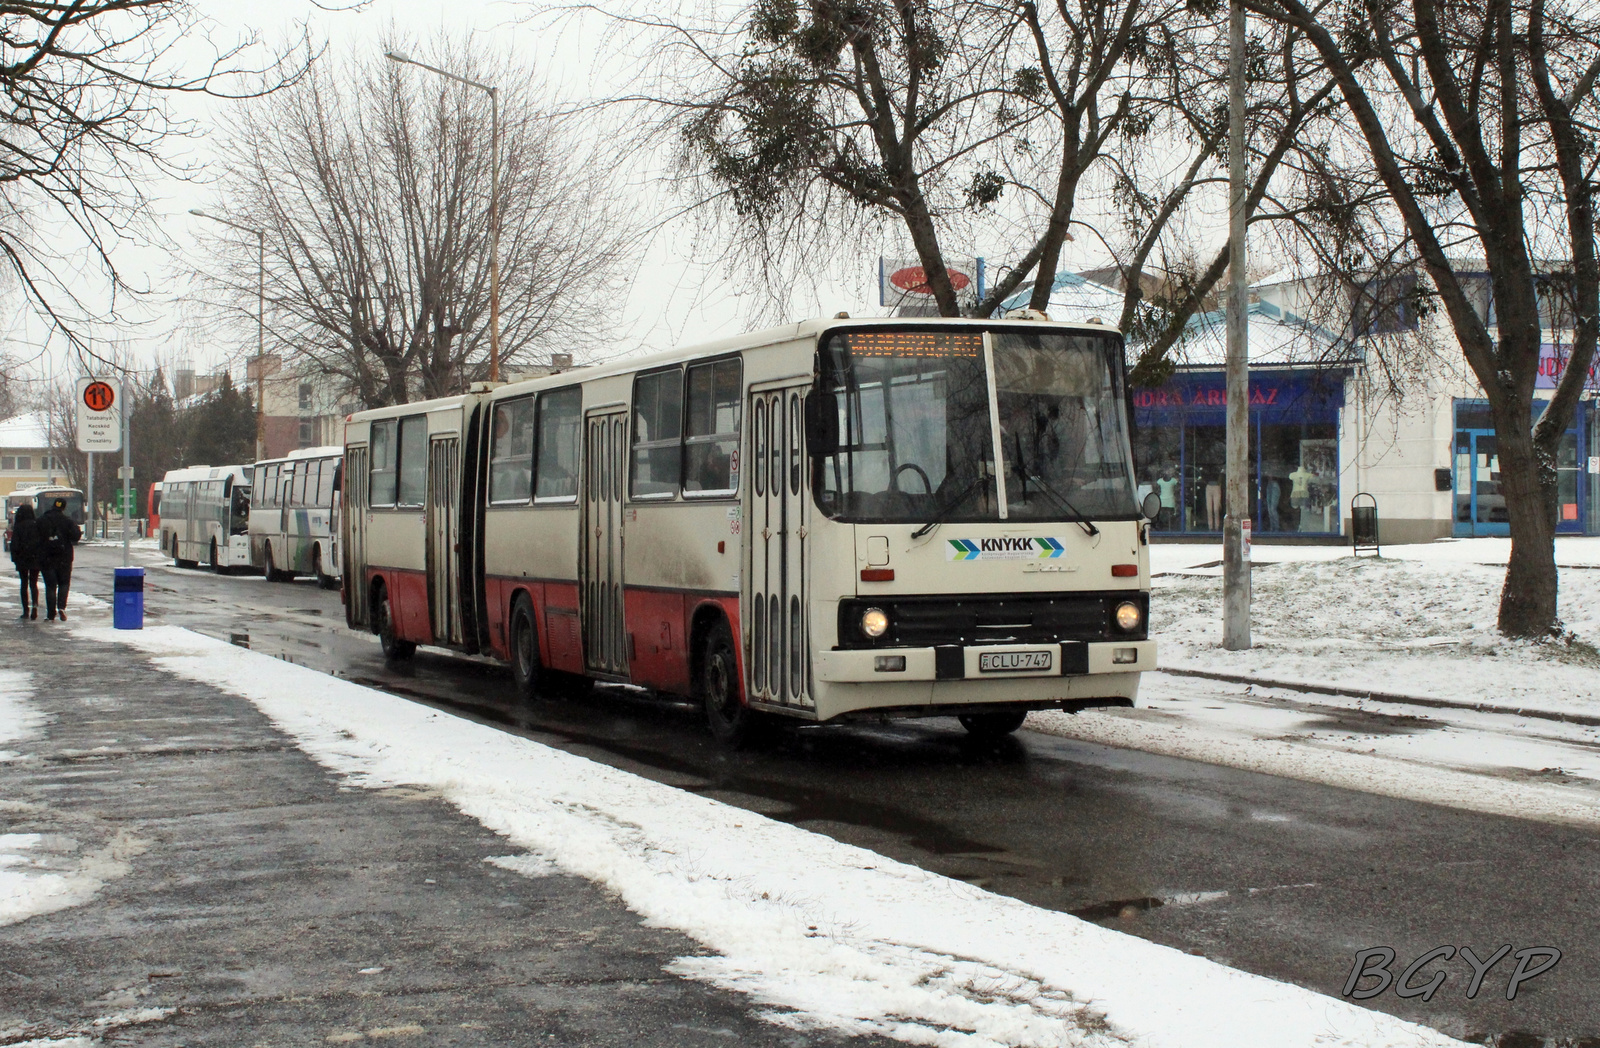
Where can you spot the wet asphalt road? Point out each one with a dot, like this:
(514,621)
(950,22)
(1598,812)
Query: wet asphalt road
(1283,878)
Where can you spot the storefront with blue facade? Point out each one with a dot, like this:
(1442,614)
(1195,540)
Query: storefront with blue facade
(1180,451)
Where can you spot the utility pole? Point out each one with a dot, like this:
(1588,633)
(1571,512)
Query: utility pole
(494,198)
(1236,520)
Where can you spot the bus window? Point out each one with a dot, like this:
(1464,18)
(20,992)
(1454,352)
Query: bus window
(239,511)
(330,469)
(511,460)
(383,463)
(711,443)
(657,434)
(413,467)
(302,473)
(557,475)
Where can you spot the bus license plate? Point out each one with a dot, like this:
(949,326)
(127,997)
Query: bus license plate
(1013,661)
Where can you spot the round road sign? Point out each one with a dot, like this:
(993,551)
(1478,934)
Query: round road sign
(99,396)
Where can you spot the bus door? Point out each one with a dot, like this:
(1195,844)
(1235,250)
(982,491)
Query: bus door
(605,457)
(443,513)
(356,521)
(775,619)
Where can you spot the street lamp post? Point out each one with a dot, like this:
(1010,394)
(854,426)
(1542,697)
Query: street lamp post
(494,198)
(261,323)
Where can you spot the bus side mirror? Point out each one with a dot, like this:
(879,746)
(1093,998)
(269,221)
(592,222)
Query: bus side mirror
(1150,508)
(822,423)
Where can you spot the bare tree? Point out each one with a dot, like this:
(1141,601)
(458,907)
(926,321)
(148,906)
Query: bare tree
(803,123)
(1478,120)
(371,182)
(86,126)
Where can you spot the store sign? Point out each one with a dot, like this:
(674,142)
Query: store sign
(1003,549)
(1300,396)
(1553,364)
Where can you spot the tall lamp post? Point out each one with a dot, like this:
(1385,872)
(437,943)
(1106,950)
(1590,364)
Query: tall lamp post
(261,322)
(494,198)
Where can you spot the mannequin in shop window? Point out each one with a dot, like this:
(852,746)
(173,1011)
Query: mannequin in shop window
(1214,501)
(1271,493)
(1167,489)
(1300,496)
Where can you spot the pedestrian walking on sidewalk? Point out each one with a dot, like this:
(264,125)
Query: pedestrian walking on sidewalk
(25,550)
(57,535)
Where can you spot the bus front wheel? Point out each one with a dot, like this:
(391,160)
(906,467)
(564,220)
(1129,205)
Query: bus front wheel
(993,725)
(732,722)
(394,649)
(271,570)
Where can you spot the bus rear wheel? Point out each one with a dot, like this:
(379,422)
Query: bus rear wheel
(732,722)
(324,580)
(527,672)
(216,565)
(993,725)
(394,649)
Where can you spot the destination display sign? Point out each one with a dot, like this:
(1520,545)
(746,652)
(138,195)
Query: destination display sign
(915,343)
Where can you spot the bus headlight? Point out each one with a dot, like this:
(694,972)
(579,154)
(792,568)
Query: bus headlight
(874,622)
(1128,616)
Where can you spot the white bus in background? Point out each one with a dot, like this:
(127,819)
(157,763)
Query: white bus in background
(294,524)
(205,514)
(831,520)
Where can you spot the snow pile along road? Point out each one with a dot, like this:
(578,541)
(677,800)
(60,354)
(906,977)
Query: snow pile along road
(822,933)
(1419,622)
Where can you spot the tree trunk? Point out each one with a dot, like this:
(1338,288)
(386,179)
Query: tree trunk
(1528,483)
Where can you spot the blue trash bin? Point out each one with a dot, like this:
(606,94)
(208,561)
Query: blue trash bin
(127,592)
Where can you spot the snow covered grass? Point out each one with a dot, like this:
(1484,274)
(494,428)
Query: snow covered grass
(1420,621)
(821,933)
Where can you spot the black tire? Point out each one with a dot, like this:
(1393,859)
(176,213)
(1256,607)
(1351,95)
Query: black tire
(732,722)
(324,580)
(394,649)
(271,571)
(528,675)
(215,565)
(993,725)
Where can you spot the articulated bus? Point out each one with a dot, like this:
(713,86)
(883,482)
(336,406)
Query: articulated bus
(832,520)
(205,516)
(294,523)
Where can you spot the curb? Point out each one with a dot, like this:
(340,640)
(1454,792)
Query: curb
(1586,720)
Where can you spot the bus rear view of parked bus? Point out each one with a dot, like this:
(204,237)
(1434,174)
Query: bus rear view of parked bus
(205,517)
(833,520)
(294,523)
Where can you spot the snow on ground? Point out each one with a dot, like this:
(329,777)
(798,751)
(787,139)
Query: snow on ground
(819,932)
(44,872)
(1417,623)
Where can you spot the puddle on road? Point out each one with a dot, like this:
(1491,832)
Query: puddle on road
(239,640)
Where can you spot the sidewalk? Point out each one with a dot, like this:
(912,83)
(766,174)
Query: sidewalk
(175,871)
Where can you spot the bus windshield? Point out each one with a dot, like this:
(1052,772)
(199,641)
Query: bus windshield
(917,429)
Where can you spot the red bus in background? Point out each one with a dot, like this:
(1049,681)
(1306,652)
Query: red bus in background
(153,502)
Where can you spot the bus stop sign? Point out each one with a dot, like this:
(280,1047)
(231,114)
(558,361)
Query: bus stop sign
(99,414)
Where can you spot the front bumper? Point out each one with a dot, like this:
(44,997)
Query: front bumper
(876,666)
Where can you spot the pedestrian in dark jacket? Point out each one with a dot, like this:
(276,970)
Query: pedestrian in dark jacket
(57,535)
(25,550)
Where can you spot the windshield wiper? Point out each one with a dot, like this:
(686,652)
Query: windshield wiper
(948,508)
(1079,518)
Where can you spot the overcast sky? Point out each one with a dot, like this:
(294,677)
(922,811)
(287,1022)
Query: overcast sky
(675,298)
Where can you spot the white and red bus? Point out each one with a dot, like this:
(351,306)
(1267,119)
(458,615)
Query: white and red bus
(828,520)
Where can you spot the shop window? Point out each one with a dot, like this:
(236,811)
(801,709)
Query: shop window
(413,467)
(711,444)
(559,419)
(384,460)
(511,461)
(1299,478)
(657,434)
